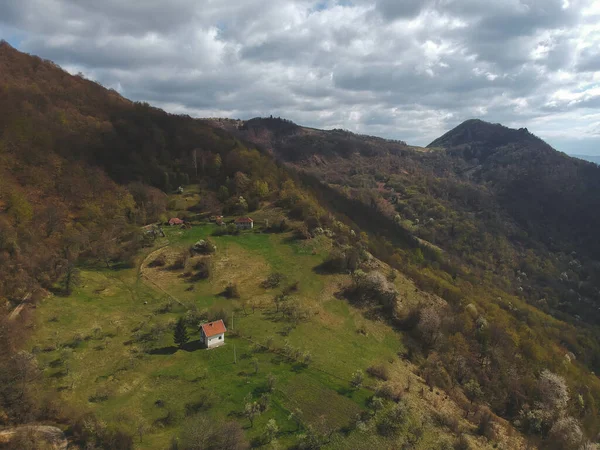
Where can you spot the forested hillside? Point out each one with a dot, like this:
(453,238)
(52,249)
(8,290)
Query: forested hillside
(423,268)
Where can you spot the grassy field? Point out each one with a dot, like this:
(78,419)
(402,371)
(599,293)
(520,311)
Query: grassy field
(109,346)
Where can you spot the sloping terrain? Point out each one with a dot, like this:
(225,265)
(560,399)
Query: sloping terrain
(109,346)
(388,296)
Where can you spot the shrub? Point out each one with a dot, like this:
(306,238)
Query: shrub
(203,247)
(357,379)
(159,261)
(293,287)
(379,371)
(180,261)
(389,392)
(391,422)
(202,269)
(485,427)
(447,420)
(462,443)
(200,432)
(272,281)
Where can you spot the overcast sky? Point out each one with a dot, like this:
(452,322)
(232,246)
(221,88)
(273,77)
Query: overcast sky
(403,69)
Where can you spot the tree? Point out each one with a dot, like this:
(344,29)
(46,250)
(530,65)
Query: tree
(261,188)
(71,279)
(553,391)
(565,434)
(429,325)
(180,335)
(306,358)
(201,432)
(271,430)
(473,390)
(223,193)
(271,380)
(357,379)
(296,417)
(20,208)
(251,411)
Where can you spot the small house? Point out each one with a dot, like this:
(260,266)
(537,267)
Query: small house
(244,223)
(175,221)
(212,334)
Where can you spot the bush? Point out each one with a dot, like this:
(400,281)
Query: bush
(232,291)
(293,287)
(202,269)
(485,427)
(462,443)
(447,420)
(379,371)
(389,392)
(203,247)
(272,281)
(218,313)
(391,422)
(159,261)
(180,261)
(200,432)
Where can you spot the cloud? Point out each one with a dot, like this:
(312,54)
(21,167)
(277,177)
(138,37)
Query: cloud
(404,70)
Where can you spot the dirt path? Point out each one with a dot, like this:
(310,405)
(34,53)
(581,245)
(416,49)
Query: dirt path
(52,435)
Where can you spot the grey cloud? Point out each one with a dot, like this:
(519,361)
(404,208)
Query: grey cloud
(401,69)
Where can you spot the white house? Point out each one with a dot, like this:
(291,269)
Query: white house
(245,223)
(212,334)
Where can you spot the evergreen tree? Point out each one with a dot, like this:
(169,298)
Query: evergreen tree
(180,335)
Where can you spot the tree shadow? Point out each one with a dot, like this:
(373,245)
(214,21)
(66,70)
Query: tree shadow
(345,391)
(325,269)
(59,374)
(192,346)
(299,367)
(56,363)
(163,350)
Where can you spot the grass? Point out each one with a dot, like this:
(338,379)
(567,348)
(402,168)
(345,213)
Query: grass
(86,343)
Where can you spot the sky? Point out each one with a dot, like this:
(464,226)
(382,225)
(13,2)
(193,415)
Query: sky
(400,69)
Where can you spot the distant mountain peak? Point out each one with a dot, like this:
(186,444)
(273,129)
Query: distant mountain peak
(477,131)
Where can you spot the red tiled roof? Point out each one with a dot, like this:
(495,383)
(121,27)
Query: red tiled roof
(175,221)
(244,220)
(213,328)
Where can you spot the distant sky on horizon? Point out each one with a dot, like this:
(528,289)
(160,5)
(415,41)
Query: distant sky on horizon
(401,69)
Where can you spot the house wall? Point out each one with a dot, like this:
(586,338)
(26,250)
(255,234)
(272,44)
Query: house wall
(214,341)
(245,225)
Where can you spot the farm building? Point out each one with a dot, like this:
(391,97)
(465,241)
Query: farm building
(175,221)
(212,334)
(245,223)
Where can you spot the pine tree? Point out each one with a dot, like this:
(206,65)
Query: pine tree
(180,335)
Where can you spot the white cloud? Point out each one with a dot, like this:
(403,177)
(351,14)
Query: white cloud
(406,70)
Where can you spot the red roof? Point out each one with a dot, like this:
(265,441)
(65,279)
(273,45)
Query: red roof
(244,220)
(175,221)
(214,328)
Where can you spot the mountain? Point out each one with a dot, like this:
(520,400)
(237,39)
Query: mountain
(388,295)
(487,195)
(478,132)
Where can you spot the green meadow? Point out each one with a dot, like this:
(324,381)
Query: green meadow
(109,346)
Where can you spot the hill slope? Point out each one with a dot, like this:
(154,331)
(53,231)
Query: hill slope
(446,339)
